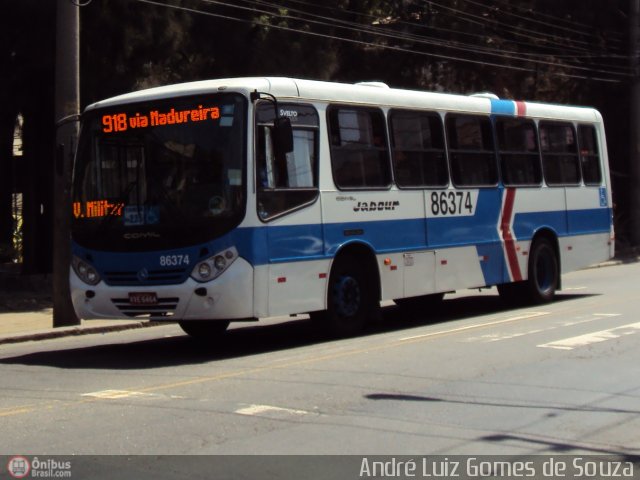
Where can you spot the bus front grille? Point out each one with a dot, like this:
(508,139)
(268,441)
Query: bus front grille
(150,277)
(164,308)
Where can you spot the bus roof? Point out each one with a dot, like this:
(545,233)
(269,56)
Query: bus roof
(366,93)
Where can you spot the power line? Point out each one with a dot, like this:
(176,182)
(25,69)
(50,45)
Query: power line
(330,37)
(370,44)
(514,30)
(539,22)
(553,18)
(356,27)
(583,53)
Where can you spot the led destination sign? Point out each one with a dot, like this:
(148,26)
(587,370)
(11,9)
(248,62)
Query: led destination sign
(97,209)
(121,122)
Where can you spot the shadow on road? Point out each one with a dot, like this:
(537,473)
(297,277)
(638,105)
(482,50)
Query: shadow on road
(249,340)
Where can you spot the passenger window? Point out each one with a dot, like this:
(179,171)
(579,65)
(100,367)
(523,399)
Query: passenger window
(589,155)
(518,152)
(471,151)
(359,154)
(285,184)
(417,140)
(559,154)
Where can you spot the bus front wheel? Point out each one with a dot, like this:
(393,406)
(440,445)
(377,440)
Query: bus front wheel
(204,329)
(350,299)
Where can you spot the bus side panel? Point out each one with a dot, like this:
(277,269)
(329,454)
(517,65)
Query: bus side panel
(419,273)
(589,219)
(390,223)
(297,287)
(584,250)
(297,267)
(463,227)
(458,268)
(536,209)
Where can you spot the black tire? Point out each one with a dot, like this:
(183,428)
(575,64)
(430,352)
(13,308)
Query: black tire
(204,329)
(350,299)
(542,280)
(544,272)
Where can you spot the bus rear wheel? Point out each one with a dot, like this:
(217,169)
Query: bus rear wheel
(543,277)
(544,272)
(204,329)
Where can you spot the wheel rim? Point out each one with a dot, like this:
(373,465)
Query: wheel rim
(545,271)
(347,296)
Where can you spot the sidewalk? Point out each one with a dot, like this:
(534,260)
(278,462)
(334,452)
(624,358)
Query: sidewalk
(17,327)
(26,312)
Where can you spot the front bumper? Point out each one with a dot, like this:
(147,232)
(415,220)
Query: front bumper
(228,297)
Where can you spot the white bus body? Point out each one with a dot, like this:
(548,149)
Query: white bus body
(388,195)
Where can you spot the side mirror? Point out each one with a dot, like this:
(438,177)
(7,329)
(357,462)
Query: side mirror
(282,136)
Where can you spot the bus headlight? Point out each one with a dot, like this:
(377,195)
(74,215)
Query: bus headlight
(85,271)
(214,266)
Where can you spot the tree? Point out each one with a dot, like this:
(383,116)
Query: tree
(542,50)
(27,65)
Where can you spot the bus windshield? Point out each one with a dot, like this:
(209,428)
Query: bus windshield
(160,175)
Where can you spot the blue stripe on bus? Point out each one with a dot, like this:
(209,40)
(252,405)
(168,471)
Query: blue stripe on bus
(584,222)
(277,244)
(571,222)
(494,268)
(310,242)
(503,107)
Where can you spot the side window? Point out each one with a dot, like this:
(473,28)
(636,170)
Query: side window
(471,151)
(287,183)
(417,141)
(559,154)
(518,152)
(589,156)
(359,157)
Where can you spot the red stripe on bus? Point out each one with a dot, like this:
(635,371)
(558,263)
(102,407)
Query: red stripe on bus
(521,109)
(507,236)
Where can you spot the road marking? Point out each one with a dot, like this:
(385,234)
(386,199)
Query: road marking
(299,362)
(16,411)
(116,394)
(256,410)
(594,337)
(524,316)
(495,337)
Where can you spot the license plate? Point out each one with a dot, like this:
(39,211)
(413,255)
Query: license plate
(143,298)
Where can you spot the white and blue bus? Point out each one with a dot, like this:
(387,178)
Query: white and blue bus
(238,199)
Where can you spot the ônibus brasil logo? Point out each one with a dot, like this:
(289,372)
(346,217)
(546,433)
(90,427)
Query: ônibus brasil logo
(19,467)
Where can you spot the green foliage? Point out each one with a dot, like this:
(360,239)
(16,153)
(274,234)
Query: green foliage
(537,49)
(13,252)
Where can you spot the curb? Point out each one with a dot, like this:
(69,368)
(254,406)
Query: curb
(74,331)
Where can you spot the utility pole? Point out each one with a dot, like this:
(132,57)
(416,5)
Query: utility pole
(634,153)
(67,107)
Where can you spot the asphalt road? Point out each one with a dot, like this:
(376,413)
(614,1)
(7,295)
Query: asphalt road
(474,378)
